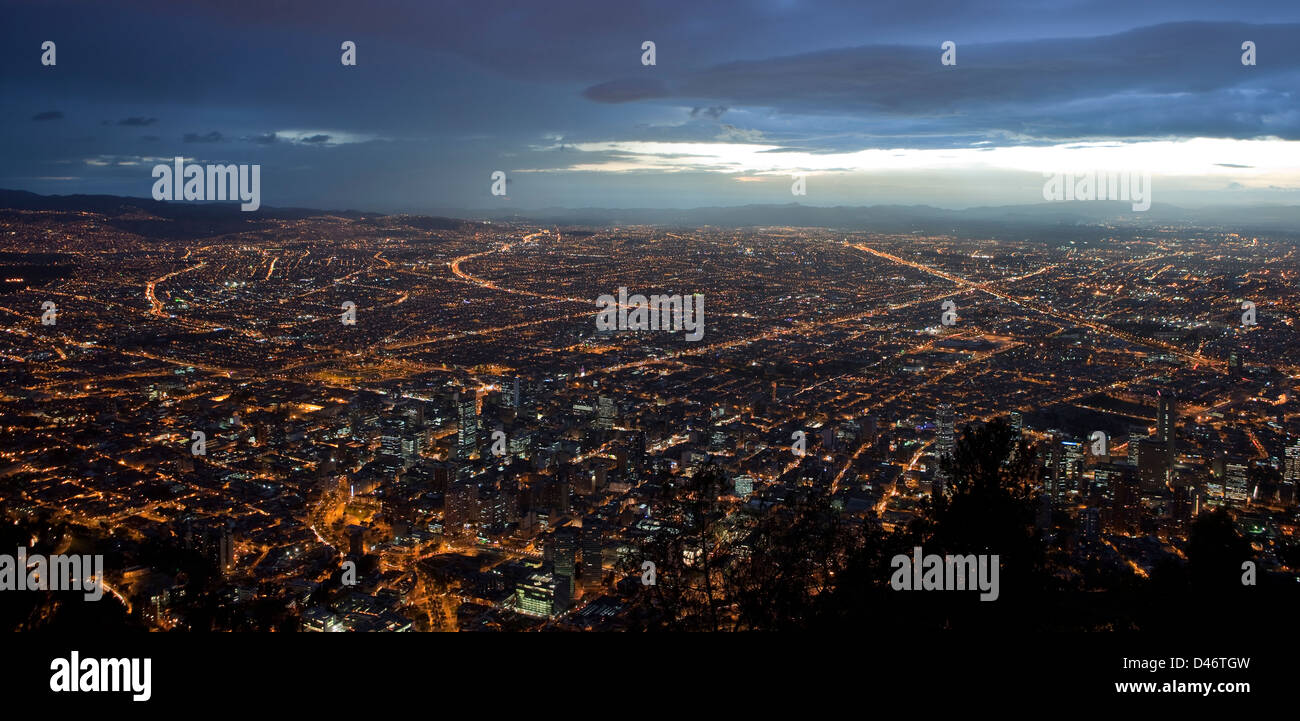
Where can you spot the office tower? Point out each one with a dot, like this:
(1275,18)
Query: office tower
(946,429)
(520,444)
(1090,524)
(1291,474)
(1017,422)
(1236,485)
(637,447)
(542,594)
(1181,508)
(565,539)
(493,506)
(1134,447)
(585,485)
(1167,423)
(393,430)
(412,443)
(515,395)
(1054,472)
(556,491)
(466,424)
(606,413)
(226,551)
(1104,478)
(945,440)
(1291,469)
(414,414)
(870,428)
(461,505)
(1072,459)
(1153,463)
(744,485)
(592,551)
(356,541)
(1125,512)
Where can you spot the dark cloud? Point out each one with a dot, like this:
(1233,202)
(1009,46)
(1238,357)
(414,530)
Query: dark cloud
(137,122)
(714,112)
(1176,78)
(48,115)
(212,137)
(458,89)
(627,90)
(315,139)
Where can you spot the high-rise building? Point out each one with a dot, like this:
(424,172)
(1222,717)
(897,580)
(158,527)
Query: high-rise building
(226,550)
(1291,474)
(744,485)
(1125,512)
(606,413)
(466,424)
(1167,423)
(565,539)
(542,594)
(1236,484)
(392,431)
(946,429)
(1072,457)
(1090,524)
(1055,477)
(593,544)
(1153,464)
(1135,447)
(461,505)
(1291,469)
(945,439)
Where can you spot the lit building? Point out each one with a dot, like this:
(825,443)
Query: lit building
(1236,485)
(1167,423)
(466,424)
(945,439)
(542,594)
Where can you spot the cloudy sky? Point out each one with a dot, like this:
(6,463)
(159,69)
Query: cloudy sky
(742,96)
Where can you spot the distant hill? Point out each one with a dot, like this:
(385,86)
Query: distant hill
(996,221)
(188,219)
(1082,220)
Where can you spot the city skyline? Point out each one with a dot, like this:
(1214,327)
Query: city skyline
(412,423)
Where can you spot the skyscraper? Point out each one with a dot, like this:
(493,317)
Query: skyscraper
(606,412)
(1167,422)
(461,505)
(466,424)
(1236,486)
(393,430)
(226,550)
(945,439)
(592,551)
(1135,447)
(1291,471)
(566,555)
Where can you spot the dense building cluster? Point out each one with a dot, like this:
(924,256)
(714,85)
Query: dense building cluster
(473,453)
